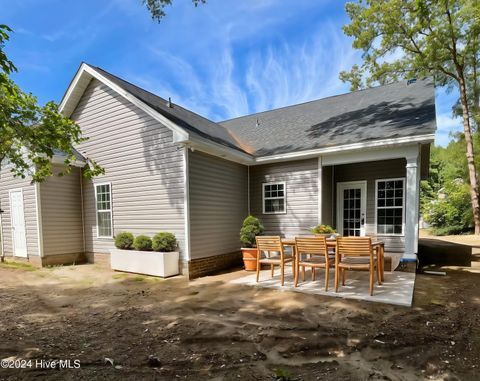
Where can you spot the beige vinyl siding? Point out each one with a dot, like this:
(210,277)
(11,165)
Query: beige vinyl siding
(218,204)
(144,167)
(9,182)
(370,172)
(301,191)
(60,200)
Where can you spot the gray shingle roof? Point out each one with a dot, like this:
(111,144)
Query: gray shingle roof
(190,121)
(391,111)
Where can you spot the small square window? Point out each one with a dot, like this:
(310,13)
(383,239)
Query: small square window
(274,200)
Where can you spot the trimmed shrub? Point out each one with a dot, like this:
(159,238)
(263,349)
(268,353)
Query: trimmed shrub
(250,229)
(124,240)
(323,229)
(164,241)
(143,243)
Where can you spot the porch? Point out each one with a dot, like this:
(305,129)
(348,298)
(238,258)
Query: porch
(397,289)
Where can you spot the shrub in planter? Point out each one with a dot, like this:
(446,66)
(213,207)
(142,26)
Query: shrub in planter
(124,240)
(142,243)
(164,242)
(323,229)
(250,229)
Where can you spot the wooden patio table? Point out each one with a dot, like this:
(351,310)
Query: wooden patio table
(378,246)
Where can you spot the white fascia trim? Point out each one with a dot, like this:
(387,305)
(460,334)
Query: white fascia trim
(179,133)
(347,147)
(215,149)
(61,160)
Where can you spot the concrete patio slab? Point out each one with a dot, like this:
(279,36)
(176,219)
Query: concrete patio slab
(397,288)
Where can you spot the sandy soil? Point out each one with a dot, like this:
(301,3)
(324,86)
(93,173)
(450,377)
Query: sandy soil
(210,329)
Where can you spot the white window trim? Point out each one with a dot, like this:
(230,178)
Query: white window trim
(394,207)
(110,210)
(272,198)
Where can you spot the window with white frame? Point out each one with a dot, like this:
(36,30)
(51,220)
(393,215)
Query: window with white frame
(103,198)
(390,206)
(274,198)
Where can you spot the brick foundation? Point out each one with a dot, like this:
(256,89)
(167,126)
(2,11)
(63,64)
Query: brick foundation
(64,259)
(33,260)
(101,259)
(209,265)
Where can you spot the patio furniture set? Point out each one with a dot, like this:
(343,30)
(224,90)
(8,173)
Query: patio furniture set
(341,253)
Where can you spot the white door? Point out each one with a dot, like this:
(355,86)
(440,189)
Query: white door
(351,208)
(19,239)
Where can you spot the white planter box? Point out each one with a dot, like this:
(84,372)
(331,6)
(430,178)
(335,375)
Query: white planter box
(145,262)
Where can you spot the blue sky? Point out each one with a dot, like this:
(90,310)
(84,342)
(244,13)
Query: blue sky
(223,59)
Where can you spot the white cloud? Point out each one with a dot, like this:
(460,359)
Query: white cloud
(447,124)
(225,84)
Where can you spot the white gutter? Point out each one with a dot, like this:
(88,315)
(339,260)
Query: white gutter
(347,147)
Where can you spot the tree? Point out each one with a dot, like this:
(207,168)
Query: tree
(157,7)
(30,134)
(403,39)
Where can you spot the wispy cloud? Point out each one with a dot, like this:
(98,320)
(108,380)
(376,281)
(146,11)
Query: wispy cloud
(276,75)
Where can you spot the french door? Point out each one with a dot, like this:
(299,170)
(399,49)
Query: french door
(351,208)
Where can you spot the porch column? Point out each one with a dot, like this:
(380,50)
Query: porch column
(411,207)
(319,189)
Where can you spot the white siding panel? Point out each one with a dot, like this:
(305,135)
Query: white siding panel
(218,204)
(8,182)
(140,160)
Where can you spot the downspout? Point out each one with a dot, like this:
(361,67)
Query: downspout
(334,197)
(82,210)
(248,189)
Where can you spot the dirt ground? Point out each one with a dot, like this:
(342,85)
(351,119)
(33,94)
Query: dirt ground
(212,330)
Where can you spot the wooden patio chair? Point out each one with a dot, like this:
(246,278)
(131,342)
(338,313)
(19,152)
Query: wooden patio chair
(316,256)
(275,255)
(355,253)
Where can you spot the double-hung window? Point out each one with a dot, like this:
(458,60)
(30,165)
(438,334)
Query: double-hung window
(103,202)
(274,198)
(390,206)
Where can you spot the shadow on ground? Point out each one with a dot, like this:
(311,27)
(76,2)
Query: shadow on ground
(211,329)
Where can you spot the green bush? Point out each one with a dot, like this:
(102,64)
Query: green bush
(164,242)
(453,213)
(124,240)
(323,229)
(251,227)
(142,242)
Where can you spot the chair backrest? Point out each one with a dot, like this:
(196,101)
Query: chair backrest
(354,246)
(269,243)
(311,245)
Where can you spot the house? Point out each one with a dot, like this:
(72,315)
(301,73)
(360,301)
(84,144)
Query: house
(353,161)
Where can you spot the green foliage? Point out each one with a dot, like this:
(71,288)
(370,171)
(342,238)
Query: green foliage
(157,7)
(164,242)
(124,240)
(404,39)
(251,227)
(143,243)
(323,229)
(451,214)
(31,133)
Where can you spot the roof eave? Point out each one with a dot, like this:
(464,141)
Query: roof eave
(375,144)
(80,82)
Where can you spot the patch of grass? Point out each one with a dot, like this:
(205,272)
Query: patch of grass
(120,276)
(18,265)
(139,278)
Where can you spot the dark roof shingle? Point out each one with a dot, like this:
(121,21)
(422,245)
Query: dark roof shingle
(390,111)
